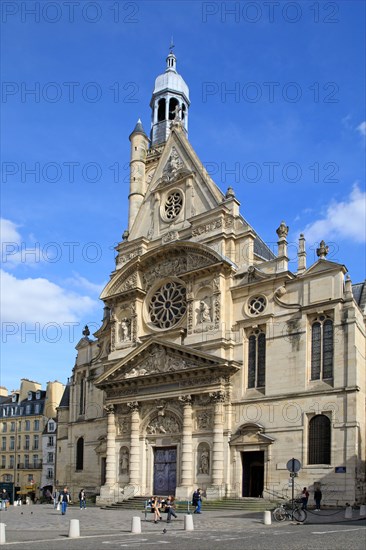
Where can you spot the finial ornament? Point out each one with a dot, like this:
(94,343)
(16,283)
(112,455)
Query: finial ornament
(86,331)
(322,251)
(230,194)
(282,231)
(172,45)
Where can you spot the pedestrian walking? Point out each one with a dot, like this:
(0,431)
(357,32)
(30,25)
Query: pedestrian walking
(317,497)
(4,500)
(82,499)
(64,499)
(170,508)
(304,498)
(197,501)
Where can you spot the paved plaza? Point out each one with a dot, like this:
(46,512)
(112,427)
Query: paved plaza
(40,526)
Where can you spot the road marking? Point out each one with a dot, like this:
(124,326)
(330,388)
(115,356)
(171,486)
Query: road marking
(338,531)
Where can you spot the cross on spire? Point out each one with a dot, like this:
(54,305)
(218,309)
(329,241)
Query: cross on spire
(172,45)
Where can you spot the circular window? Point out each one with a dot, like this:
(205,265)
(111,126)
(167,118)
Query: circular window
(173,205)
(257,305)
(168,305)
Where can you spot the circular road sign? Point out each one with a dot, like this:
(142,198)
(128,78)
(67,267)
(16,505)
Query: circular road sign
(293,465)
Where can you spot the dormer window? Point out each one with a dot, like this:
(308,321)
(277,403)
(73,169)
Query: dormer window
(38,394)
(29,397)
(14,398)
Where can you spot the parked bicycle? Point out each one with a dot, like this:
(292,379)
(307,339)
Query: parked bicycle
(287,511)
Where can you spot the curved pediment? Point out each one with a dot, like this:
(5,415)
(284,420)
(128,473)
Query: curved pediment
(173,259)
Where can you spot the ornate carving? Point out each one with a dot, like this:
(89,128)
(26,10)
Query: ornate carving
(322,251)
(216,312)
(123,259)
(125,329)
(204,461)
(204,420)
(160,404)
(217,396)
(170,236)
(109,409)
(124,460)
(185,399)
(163,425)
(204,313)
(159,362)
(173,164)
(282,231)
(133,406)
(123,425)
(206,228)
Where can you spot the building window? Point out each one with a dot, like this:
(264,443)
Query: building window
(36,463)
(3,461)
(11,465)
(12,427)
(28,409)
(27,425)
(8,478)
(3,443)
(12,443)
(161,110)
(80,454)
(26,461)
(257,305)
(168,305)
(51,441)
(30,395)
(82,396)
(37,408)
(257,359)
(36,425)
(27,442)
(173,205)
(49,473)
(19,441)
(322,348)
(36,442)
(319,440)
(50,457)
(51,426)
(38,394)
(5,427)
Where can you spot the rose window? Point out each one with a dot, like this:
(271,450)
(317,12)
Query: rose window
(168,305)
(173,205)
(257,305)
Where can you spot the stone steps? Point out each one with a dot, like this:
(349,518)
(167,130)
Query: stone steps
(244,504)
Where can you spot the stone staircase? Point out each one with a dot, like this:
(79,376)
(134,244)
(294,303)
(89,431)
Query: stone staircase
(241,504)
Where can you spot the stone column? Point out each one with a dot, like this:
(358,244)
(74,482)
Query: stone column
(185,488)
(135,445)
(218,399)
(111,447)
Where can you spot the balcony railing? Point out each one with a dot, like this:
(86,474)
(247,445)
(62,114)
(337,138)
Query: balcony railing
(30,465)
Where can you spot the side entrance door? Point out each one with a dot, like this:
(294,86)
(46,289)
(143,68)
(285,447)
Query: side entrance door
(253,473)
(165,470)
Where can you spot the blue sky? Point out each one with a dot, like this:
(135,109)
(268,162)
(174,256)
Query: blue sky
(277,111)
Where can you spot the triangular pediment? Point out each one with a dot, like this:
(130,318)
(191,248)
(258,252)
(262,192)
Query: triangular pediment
(323,265)
(181,177)
(155,358)
(251,434)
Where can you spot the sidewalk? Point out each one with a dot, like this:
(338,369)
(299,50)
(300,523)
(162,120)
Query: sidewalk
(41,522)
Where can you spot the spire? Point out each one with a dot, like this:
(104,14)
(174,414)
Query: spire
(138,129)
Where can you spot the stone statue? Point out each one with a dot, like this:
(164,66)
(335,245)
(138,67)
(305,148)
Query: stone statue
(124,461)
(204,312)
(124,330)
(204,462)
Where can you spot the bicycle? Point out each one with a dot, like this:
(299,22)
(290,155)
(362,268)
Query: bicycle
(285,511)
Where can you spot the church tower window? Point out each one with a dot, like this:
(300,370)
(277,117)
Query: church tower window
(161,110)
(173,205)
(257,359)
(322,348)
(80,454)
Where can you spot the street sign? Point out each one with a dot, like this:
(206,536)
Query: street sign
(293,465)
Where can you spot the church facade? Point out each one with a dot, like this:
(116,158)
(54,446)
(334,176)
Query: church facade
(215,364)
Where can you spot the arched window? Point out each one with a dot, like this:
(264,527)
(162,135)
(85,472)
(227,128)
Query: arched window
(319,440)
(161,110)
(172,105)
(322,348)
(257,359)
(80,454)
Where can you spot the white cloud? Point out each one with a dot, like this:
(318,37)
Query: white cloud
(345,219)
(77,281)
(362,128)
(9,232)
(39,300)
(14,250)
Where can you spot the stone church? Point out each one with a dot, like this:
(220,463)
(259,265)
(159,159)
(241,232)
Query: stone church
(215,364)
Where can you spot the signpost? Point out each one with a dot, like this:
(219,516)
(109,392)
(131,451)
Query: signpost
(293,466)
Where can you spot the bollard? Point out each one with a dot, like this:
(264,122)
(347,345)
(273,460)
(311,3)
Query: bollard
(136,525)
(267,518)
(2,533)
(362,510)
(348,512)
(74,529)
(188,522)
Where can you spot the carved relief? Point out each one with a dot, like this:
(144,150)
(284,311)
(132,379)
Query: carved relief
(204,420)
(203,461)
(217,396)
(170,236)
(123,425)
(163,425)
(159,362)
(124,258)
(206,228)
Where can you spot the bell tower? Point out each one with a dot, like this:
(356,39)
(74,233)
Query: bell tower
(170,100)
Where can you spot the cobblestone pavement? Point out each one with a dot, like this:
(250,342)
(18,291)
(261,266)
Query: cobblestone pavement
(43,523)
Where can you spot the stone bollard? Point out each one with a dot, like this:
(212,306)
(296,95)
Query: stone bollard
(74,529)
(362,510)
(136,525)
(2,533)
(348,512)
(188,522)
(267,520)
